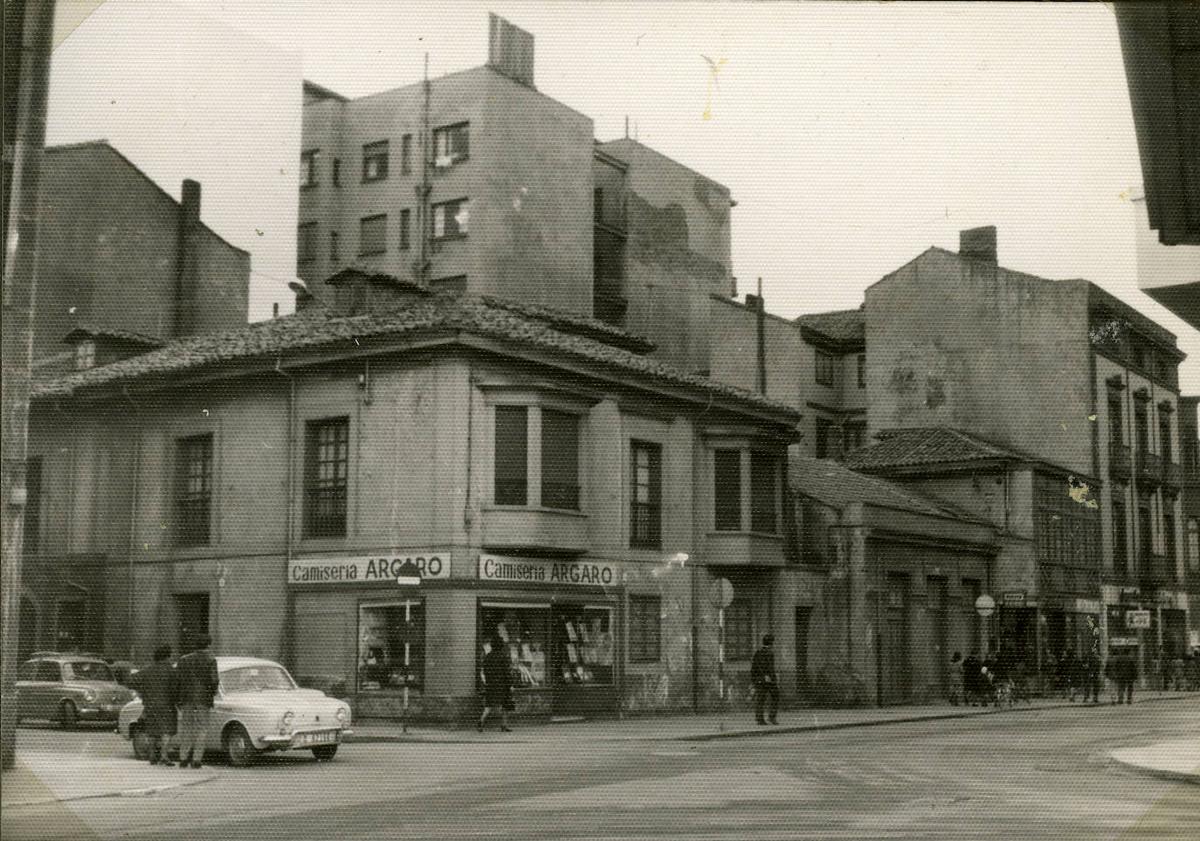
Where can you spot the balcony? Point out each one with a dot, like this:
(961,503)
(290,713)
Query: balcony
(744,548)
(1157,571)
(1172,474)
(1119,462)
(1149,469)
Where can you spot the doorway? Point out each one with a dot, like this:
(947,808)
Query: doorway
(894,688)
(803,687)
(192,612)
(938,602)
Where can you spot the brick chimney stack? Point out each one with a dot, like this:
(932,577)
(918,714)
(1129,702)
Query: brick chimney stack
(188,281)
(978,243)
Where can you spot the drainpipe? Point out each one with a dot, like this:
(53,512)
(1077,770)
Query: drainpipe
(289,620)
(133,512)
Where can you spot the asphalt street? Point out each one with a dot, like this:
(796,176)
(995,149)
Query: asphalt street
(1026,775)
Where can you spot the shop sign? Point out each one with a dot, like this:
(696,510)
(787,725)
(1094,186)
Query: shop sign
(1121,642)
(538,571)
(1137,619)
(1014,598)
(1130,594)
(367,569)
(1087,606)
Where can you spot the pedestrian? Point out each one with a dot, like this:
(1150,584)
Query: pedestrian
(198,681)
(1068,674)
(766,683)
(157,685)
(497,684)
(1125,671)
(956,678)
(971,678)
(1090,669)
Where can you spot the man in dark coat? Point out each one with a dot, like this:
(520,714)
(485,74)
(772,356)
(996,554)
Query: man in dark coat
(157,685)
(1125,673)
(972,668)
(766,684)
(198,682)
(497,684)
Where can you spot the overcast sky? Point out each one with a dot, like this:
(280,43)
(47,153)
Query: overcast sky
(852,135)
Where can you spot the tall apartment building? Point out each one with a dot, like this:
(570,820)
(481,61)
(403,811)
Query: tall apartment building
(476,183)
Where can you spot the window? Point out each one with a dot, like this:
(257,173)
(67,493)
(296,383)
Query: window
(391,645)
(1141,428)
(1116,433)
(645,513)
(335,248)
(583,644)
(854,435)
(1169,534)
(337,172)
(645,629)
(524,630)
(33,504)
(405,222)
(372,235)
(193,502)
(1120,536)
(327,458)
(764,489)
(47,671)
(308,168)
(862,370)
(406,154)
(375,161)
(1164,438)
(825,444)
(739,630)
(306,242)
(1193,538)
(85,355)
(450,219)
(560,460)
(727,489)
(824,368)
(451,145)
(511,457)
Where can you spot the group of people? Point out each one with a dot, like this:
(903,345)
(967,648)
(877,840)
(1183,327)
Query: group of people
(993,679)
(176,699)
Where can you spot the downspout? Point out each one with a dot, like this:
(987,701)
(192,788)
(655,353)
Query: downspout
(133,512)
(289,619)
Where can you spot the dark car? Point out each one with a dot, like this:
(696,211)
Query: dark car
(69,688)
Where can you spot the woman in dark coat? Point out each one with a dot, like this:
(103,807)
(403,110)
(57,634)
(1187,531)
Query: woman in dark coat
(497,684)
(158,687)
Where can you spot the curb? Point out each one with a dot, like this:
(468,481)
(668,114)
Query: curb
(145,791)
(1161,773)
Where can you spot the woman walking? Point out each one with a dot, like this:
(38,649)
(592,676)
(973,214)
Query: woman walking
(497,684)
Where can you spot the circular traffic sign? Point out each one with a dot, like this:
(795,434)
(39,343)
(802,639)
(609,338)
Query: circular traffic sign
(985,605)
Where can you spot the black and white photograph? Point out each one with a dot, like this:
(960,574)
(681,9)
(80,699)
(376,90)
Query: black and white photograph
(548,419)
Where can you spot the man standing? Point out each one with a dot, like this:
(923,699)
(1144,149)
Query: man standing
(766,685)
(1125,672)
(157,684)
(1091,676)
(198,683)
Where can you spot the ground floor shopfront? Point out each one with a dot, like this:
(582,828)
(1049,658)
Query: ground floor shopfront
(1153,626)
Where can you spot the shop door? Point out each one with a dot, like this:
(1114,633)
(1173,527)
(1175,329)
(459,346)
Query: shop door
(583,651)
(803,616)
(894,645)
(192,612)
(937,602)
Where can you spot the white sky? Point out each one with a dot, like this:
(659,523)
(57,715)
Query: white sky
(852,135)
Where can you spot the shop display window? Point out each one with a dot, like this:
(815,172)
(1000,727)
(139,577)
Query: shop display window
(583,645)
(523,630)
(391,645)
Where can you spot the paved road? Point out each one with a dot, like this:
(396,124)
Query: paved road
(1028,775)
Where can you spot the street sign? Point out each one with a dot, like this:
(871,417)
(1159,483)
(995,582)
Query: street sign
(408,575)
(721,593)
(985,605)
(1137,619)
(1014,597)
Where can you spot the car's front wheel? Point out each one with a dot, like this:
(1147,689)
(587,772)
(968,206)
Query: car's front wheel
(142,743)
(240,749)
(324,753)
(68,715)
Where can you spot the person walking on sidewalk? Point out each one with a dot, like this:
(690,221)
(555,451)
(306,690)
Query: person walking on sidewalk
(198,682)
(157,684)
(956,678)
(1090,668)
(497,684)
(1125,673)
(766,684)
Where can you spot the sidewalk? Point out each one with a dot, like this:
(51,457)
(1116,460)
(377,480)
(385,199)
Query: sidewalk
(1176,760)
(46,777)
(698,728)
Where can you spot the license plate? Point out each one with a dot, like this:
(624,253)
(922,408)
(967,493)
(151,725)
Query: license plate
(325,737)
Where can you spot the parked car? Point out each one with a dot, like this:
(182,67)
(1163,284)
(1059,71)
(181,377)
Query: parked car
(69,688)
(258,708)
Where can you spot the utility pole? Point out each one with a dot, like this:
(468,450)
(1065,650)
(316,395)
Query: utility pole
(29,29)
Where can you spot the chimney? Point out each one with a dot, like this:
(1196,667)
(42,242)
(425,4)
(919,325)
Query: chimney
(510,50)
(188,279)
(978,243)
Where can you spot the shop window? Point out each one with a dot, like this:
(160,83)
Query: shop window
(372,235)
(193,502)
(308,168)
(739,630)
(645,514)
(85,355)
(375,161)
(524,631)
(406,154)
(727,490)
(560,460)
(1193,539)
(451,145)
(511,455)
(391,645)
(824,368)
(862,370)
(450,219)
(645,629)
(33,504)
(405,229)
(583,645)
(1116,433)
(327,458)
(764,492)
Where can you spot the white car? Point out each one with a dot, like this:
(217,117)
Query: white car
(258,708)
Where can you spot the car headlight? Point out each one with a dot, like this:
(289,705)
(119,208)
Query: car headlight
(285,721)
(89,695)
(341,715)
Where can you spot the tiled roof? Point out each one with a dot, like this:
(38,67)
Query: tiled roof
(319,327)
(836,485)
(839,326)
(927,446)
(88,329)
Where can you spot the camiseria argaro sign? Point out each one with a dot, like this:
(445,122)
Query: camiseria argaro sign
(367,569)
(539,571)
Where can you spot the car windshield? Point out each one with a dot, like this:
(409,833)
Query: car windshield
(84,670)
(255,679)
